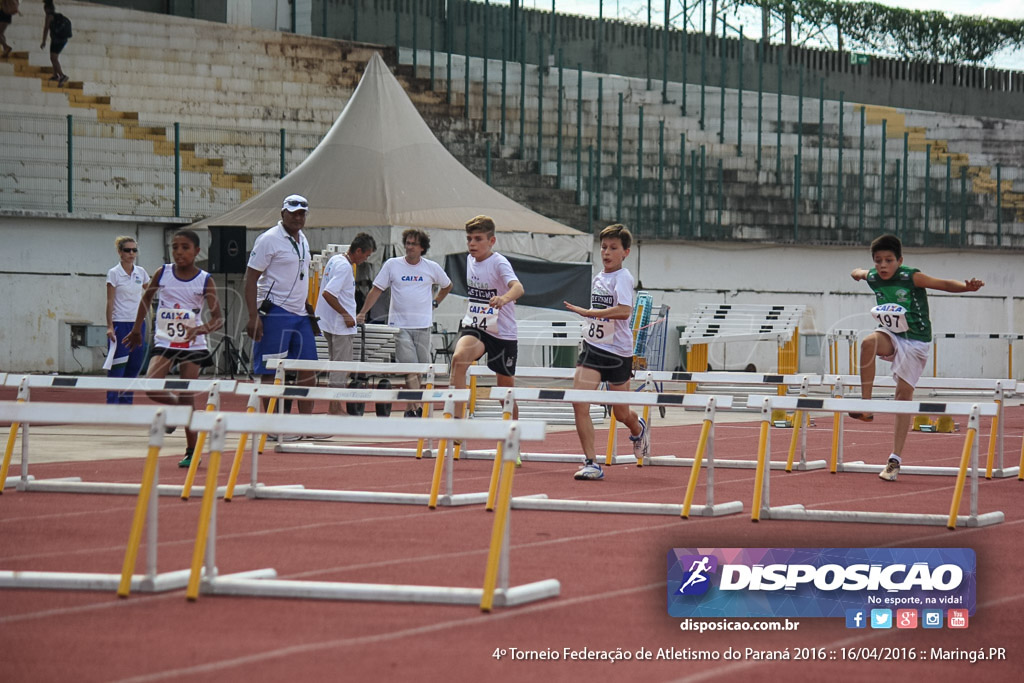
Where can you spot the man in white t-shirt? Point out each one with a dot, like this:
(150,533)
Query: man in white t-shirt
(276,287)
(336,305)
(411,279)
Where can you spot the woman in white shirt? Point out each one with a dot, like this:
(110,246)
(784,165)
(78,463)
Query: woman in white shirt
(125,283)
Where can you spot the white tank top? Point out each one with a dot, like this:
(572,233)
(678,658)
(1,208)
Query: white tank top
(179,307)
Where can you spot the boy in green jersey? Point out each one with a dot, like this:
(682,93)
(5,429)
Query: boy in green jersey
(904,331)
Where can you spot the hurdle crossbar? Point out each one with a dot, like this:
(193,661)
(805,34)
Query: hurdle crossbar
(762,509)
(496,589)
(426,396)
(997,389)
(708,403)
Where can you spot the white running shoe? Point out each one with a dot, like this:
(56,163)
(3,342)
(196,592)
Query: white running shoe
(590,471)
(891,471)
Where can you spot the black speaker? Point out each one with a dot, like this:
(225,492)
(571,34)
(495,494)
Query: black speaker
(227,249)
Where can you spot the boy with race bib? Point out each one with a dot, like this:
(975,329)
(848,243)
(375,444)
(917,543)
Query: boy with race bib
(490,322)
(607,354)
(904,331)
(180,334)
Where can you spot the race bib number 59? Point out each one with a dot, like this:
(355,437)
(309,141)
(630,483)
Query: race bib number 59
(482,316)
(892,317)
(172,325)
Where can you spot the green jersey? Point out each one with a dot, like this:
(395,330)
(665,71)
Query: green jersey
(900,290)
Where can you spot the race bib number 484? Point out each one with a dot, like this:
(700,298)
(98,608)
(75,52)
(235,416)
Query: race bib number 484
(892,317)
(172,325)
(482,316)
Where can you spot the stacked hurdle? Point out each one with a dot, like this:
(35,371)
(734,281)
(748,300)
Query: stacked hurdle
(1008,337)
(761,506)
(998,390)
(496,590)
(705,447)
(146,507)
(74,485)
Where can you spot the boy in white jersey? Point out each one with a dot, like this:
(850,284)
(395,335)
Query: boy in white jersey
(904,331)
(180,334)
(490,323)
(607,354)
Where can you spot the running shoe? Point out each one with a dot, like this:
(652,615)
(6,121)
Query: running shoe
(287,437)
(891,471)
(186,461)
(641,442)
(590,471)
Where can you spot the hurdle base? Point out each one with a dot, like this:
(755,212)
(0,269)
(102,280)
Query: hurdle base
(799,514)
(328,449)
(76,485)
(142,583)
(285,493)
(12,482)
(860,467)
(617,507)
(672,461)
(490,454)
(373,592)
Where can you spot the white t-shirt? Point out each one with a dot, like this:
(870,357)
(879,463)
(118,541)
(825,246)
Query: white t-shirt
(284,263)
(340,281)
(493,277)
(412,290)
(180,306)
(608,290)
(127,291)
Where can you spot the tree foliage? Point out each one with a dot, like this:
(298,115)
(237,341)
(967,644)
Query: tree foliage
(911,34)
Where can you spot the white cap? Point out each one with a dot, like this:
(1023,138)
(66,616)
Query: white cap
(295,202)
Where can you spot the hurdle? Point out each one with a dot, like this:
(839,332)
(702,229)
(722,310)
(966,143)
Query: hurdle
(532,373)
(705,446)
(997,389)
(762,509)
(157,417)
(1008,337)
(496,589)
(745,381)
(74,484)
(335,425)
(282,365)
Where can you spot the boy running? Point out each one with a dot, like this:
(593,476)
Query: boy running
(607,354)
(904,332)
(490,323)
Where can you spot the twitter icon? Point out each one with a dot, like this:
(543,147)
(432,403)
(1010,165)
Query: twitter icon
(881,618)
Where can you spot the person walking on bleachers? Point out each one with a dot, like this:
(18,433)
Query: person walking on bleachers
(58,28)
(8,8)
(125,283)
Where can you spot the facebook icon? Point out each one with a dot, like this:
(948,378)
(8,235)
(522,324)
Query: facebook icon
(856,618)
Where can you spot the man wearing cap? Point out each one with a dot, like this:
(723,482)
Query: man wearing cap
(276,288)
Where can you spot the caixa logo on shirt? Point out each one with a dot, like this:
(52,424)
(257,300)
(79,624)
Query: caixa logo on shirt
(815,582)
(412,278)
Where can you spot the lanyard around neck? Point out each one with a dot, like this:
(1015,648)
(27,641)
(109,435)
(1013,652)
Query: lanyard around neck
(295,246)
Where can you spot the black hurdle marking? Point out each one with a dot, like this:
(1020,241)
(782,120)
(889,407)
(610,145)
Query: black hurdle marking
(295,391)
(560,335)
(559,324)
(551,394)
(176,384)
(949,335)
(994,336)
(64,382)
(410,396)
(809,403)
(682,376)
(932,407)
(772,379)
(671,399)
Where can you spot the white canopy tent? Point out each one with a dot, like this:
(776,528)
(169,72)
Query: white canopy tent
(380,170)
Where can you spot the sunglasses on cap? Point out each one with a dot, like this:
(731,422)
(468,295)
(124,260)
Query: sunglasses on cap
(130,250)
(296,204)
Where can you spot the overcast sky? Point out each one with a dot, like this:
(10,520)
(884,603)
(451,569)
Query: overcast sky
(1004,9)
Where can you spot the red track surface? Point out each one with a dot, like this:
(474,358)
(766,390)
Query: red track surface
(612,569)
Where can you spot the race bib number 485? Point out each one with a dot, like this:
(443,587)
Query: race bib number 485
(172,325)
(482,316)
(892,317)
